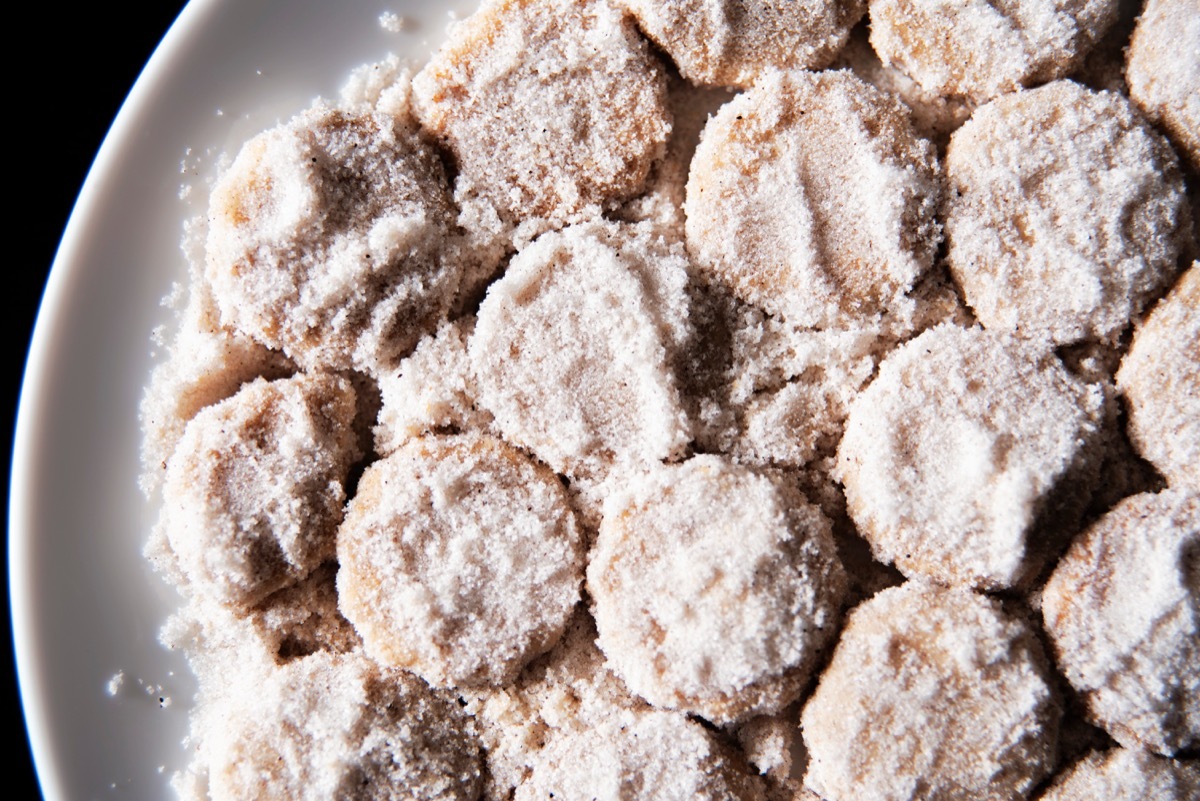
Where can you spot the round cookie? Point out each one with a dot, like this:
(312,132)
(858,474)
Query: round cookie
(553,109)
(1123,611)
(1126,774)
(254,490)
(979,49)
(1163,71)
(459,559)
(967,451)
(732,42)
(328,239)
(665,756)
(339,727)
(811,197)
(714,589)
(574,348)
(1160,379)
(1065,213)
(931,694)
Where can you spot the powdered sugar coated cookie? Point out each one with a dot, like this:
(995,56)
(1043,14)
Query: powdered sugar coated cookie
(1123,611)
(732,42)
(932,694)
(714,589)
(459,559)
(956,454)
(811,197)
(1065,213)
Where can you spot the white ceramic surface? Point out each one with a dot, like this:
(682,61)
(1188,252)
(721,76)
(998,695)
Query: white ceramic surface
(85,604)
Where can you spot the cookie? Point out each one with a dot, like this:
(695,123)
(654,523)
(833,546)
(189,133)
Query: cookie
(1160,379)
(811,197)
(663,754)
(331,238)
(966,455)
(1162,68)
(1126,774)
(732,42)
(931,694)
(554,110)
(715,590)
(253,492)
(587,322)
(339,727)
(1065,213)
(1123,611)
(980,50)
(459,559)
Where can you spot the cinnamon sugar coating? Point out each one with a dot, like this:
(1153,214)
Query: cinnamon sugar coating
(331,237)
(932,694)
(433,390)
(568,726)
(553,109)
(811,197)
(1123,611)
(732,42)
(935,116)
(1065,213)
(979,49)
(459,559)
(254,491)
(676,331)
(1160,378)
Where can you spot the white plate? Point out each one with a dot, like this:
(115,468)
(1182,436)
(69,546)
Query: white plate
(85,604)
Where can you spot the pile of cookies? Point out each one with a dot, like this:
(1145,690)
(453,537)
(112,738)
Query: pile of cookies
(704,399)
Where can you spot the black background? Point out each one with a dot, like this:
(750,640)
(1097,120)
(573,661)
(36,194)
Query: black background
(82,62)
